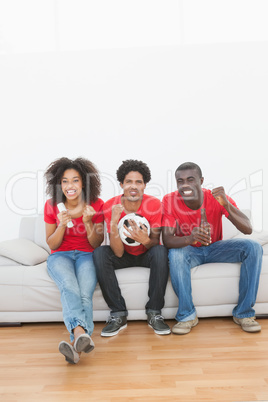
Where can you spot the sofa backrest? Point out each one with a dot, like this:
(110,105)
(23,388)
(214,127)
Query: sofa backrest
(40,233)
(33,228)
(228,229)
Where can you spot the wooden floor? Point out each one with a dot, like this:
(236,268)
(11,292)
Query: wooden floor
(217,361)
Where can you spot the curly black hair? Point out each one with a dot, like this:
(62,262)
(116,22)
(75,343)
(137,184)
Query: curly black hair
(131,165)
(88,172)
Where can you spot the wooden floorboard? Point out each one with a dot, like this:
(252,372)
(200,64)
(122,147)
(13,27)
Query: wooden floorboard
(217,361)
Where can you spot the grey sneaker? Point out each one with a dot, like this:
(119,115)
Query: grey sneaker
(84,344)
(248,324)
(156,321)
(71,356)
(114,325)
(184,327)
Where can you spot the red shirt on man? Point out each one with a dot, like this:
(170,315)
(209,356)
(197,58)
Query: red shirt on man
(150,208)
(176,214)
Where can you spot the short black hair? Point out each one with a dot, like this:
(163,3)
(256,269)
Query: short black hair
(189,166)
(132,165)
(86,169)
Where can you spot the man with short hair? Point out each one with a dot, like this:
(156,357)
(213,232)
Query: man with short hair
(133,176)
(192,242)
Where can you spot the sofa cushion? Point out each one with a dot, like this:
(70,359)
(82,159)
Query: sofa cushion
(23,251)
(7,262)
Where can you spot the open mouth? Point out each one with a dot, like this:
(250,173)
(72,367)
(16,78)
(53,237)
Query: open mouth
(187,193)
(71,192)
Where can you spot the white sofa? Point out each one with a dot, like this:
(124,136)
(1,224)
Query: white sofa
(27,294)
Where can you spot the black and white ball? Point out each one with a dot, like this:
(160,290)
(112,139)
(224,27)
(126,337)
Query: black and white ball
(122,230)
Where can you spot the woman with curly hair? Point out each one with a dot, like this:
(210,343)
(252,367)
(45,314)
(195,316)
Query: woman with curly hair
(72,235)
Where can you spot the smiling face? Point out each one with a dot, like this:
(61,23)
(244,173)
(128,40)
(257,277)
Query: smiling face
(133,186)
(71,184)
(189,184)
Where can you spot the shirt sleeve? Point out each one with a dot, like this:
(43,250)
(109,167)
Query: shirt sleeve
(168,220)
(155,212)
(107,213)
(49,213)
(98,206)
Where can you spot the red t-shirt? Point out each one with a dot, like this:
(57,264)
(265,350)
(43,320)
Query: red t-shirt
(177,215)
(150,208)
(74,238)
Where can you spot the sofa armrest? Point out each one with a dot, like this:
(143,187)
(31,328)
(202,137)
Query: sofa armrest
(23,251)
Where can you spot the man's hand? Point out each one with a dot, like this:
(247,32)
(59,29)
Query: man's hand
(116,213)
(88,213)
(200,235)
(137,233)
(219,195)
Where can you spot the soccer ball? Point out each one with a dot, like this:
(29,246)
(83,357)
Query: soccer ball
(124,221)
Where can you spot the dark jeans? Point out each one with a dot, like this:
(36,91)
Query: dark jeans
(156,258)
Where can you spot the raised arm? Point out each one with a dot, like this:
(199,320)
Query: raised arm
(238,218)
(116,243)
(54,233)
(95,231)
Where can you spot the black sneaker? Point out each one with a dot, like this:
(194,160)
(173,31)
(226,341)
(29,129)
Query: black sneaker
(156,321)
(114,325)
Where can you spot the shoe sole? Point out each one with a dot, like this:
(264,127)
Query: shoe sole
(66,350)
(165,332)
(113,333)
(186,332)
(253,329)
(84,344)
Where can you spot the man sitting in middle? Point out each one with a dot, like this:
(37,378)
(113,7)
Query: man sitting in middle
(133,176)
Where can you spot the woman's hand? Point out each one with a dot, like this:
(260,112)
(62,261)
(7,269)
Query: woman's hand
(64,217)
(88,213)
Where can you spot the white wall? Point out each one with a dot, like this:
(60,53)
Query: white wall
(161,81)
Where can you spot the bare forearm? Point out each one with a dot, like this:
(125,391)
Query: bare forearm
(151,242)
(94,234)
(54,241)
(239,219)
(116,243)
(176,241)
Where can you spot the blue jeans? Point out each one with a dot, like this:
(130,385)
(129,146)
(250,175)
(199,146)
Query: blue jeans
(74,274)
(248,252)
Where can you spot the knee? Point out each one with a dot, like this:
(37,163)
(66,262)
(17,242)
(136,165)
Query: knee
(160,251)
(253,247)
(68,286)
(101,258)
(258,248)
(100,253)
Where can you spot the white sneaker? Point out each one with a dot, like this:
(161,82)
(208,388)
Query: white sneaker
(84,344)
(67,350)
(248,324)
(184,327)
